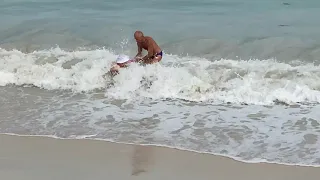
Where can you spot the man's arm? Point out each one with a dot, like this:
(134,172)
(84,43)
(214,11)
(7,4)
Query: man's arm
(139,50)
(150,53)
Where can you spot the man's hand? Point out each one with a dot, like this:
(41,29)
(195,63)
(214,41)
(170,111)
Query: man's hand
(148,61)
(138,59)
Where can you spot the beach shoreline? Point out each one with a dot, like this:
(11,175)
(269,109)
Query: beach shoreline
(36,157)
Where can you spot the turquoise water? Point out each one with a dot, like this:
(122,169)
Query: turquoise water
(221,29)
(238,78)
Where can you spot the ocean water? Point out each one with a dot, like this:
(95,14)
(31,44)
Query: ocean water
(238,78)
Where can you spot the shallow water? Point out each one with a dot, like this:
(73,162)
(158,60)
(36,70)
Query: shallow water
(238,78)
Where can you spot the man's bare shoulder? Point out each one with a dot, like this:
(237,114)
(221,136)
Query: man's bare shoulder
(149,38)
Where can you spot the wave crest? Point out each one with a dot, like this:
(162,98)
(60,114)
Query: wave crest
(189,78)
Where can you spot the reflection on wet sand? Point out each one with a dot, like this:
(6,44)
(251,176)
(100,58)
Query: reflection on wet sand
(141,159)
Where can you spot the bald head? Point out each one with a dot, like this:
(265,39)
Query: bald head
(138,35)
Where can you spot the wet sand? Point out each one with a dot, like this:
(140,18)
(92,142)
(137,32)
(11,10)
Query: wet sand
(44,158)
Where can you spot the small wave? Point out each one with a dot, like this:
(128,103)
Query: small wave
(262,82)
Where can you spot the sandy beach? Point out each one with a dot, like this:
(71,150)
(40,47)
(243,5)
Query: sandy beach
(44,158)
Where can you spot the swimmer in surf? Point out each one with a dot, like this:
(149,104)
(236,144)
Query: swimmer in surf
(122,62)
(146,42)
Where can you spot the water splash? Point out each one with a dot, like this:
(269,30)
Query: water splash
(189,78)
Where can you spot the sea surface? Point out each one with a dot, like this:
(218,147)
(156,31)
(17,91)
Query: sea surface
(239,78)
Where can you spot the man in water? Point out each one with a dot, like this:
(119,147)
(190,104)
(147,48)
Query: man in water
(145,42)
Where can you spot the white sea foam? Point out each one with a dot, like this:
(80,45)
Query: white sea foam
(251,133)
(189,78)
